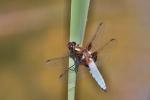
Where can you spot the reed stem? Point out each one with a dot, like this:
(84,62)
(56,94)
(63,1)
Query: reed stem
(79,13)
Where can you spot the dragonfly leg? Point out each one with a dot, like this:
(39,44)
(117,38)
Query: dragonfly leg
(94,56)
(76,69)
(70,68)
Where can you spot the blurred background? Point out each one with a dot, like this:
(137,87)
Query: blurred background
(32,31)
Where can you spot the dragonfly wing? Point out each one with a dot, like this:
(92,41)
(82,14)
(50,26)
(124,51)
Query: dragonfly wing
(97,75)
(95,36)
(60,61)
(95,43)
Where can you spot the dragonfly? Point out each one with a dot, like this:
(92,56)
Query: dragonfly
(84,56)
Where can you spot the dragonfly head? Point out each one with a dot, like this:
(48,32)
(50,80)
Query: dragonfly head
(71,45)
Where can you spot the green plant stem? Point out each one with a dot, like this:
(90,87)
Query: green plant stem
(79,13)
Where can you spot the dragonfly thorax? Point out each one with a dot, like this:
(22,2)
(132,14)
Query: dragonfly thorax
(83,55)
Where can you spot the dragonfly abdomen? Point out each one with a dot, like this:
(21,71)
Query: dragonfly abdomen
(97,75)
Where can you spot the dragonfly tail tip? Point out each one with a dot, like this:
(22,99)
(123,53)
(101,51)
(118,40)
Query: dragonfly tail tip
(105,90)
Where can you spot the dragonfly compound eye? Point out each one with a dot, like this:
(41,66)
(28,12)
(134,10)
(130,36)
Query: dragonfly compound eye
(74,43)
(70,45)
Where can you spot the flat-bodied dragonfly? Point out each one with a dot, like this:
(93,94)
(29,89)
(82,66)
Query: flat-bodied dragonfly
(84,56)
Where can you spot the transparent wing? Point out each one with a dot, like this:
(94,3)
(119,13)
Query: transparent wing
(104,53)
(95,35)
(109,44)
(59,61)
(97,75)
(95,43)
